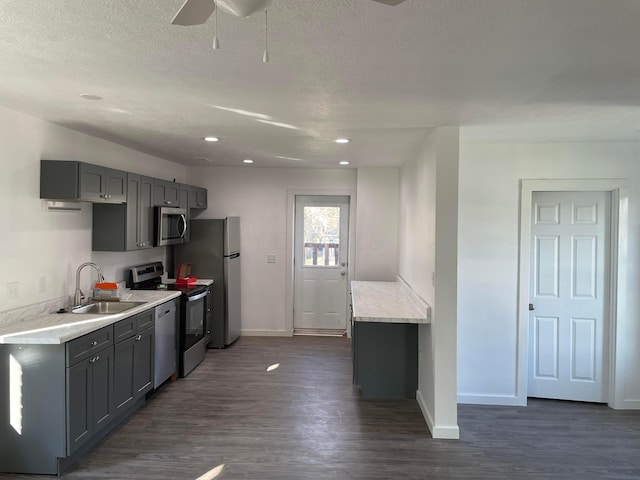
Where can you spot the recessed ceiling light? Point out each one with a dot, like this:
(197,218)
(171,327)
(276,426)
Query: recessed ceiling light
(90,96)
(211,139)
(344,162)
(247,160)
(341,140)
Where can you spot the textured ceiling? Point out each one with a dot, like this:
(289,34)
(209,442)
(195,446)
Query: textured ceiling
(507,70)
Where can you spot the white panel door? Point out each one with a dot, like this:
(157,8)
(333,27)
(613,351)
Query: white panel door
(320,273)
(568,328)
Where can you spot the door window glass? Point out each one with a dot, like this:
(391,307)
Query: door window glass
(321,236)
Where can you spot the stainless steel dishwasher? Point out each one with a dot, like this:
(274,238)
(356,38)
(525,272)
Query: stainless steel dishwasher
(166,343)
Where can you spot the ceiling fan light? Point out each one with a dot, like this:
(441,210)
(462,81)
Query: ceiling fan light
(243,8)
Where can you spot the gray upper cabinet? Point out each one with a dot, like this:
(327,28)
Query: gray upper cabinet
(139,212)
(102,184)
(197,197)
(118,228)
(70,180)
(166,194)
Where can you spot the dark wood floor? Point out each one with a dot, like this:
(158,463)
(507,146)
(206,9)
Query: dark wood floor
(304,420)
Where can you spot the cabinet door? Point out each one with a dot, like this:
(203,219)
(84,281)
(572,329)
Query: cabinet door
(166,194)
(143,362)
(102,403)
(133,210)
(79,406)
(92,182)
(145,214)
(197,197)
(115,185)
(123,390)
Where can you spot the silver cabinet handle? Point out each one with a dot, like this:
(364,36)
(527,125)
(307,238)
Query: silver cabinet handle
(168,202)
(138,338)
(94,343)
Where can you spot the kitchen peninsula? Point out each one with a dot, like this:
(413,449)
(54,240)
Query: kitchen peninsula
(385,319)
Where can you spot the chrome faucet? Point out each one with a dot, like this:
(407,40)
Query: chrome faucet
(78,294)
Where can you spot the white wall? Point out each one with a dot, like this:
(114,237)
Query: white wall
(259,197)
(488,258)
(41,250)
(427,262)
(377,224)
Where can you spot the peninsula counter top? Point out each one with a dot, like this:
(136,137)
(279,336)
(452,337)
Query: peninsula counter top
(387,302)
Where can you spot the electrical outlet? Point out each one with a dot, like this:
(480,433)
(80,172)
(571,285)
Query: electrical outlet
(271,258)
(13,290)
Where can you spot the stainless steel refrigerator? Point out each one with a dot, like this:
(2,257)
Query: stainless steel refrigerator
(214,252)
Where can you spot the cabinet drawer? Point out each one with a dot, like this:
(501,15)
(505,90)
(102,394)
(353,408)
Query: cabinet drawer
(89,344)
(124,329)
(145,320)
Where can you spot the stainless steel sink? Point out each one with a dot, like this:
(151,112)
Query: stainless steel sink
(106,308)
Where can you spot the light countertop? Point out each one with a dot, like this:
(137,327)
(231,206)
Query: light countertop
(57,328)
(388,302)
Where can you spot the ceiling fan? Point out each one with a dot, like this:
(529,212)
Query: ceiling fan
(196,12)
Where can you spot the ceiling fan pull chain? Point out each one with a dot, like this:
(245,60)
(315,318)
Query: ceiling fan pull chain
(265,55)
(216,44)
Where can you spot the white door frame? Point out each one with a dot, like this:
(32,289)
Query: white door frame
(291,210)
(618,273)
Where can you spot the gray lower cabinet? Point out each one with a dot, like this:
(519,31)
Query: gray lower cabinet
(134,361)
(58,401)
(90,403)
(385,359)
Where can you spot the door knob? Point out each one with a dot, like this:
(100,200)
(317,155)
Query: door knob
(531,307)
(343,264)
(343,273)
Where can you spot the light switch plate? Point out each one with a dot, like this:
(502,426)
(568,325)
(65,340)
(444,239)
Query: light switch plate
(271,258)
(13,290)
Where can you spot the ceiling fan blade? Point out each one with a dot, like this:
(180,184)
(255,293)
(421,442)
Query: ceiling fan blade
(391,3)
(194,12)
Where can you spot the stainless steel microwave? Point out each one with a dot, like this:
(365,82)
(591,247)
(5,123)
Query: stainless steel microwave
(171,226)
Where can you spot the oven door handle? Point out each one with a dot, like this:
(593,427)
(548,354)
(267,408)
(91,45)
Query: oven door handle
(196,297)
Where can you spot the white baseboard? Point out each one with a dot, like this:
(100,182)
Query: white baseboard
(450,432)
(627,405)
(265,333)
(504,400)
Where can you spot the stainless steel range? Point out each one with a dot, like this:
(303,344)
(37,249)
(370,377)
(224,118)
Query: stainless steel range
(192,336)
